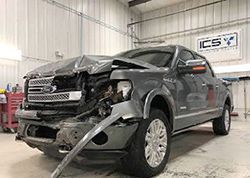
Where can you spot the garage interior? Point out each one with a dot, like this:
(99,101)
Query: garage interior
(36,32)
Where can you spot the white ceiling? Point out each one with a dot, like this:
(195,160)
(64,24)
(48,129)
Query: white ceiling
(154,4)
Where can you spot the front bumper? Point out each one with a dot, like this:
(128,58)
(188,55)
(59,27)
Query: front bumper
(70,131)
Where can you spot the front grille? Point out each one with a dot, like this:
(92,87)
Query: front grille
(41,81)
(36,92)
(37,85)
(55,97)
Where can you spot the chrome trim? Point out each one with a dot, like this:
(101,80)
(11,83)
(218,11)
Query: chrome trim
(41,81)
(196,113)
(55,97)
(183,107)
(35,88)
(39,140)
(20,113)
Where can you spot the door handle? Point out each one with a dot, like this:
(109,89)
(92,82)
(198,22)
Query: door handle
(204,85)
(216,86)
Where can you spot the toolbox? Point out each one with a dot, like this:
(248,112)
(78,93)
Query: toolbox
(8,121)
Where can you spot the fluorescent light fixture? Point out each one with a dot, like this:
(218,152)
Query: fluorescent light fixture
(10,52)
(232,68)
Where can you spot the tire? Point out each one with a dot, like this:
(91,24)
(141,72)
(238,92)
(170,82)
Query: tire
(136,163)
(222,125)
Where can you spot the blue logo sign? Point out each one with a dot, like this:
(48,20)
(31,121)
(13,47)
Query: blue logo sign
(228,40)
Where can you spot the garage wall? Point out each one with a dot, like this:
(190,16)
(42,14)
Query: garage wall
(39,28)
(240,90)
(241,96)
(184,28)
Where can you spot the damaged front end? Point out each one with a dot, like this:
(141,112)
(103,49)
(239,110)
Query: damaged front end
(78,112)
(65,115)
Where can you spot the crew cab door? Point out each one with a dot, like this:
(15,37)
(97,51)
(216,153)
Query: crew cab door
(189,95)
(209,89)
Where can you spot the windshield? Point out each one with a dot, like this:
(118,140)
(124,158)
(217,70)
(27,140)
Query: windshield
(155,57)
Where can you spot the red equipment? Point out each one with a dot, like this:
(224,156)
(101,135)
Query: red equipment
(7,111)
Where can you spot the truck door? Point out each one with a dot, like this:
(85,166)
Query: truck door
(209,90)
(189,100)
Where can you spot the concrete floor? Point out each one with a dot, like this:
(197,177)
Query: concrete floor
(195,153)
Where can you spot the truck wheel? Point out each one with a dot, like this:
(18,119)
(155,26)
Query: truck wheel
(149,150)
(222,125)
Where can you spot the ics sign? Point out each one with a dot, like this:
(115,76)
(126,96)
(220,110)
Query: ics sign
(224,46)
(218,42)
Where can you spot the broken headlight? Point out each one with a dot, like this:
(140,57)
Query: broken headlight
(125,88)
(116,92)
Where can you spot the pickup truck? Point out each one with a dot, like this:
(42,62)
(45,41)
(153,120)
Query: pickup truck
(124,107)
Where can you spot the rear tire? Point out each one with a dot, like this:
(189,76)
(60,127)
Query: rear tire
(222,125)
(152,134)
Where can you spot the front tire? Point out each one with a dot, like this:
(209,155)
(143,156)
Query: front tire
(222,125)
(149,151)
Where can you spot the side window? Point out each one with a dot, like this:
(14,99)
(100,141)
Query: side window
(209,70)
(186,55)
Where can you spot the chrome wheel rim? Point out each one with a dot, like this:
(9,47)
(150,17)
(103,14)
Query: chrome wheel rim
(155,143)
(227,120)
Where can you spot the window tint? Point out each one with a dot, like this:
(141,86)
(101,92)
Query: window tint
(199,57)
(209,71)
(157,58)
(186,55)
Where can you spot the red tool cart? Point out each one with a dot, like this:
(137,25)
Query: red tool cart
(7,111)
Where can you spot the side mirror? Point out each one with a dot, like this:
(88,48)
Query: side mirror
(197,66)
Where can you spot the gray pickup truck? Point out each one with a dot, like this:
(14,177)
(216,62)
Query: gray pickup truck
(123,107)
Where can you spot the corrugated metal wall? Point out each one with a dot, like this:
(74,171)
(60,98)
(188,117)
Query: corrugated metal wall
(183,28)
(73,27)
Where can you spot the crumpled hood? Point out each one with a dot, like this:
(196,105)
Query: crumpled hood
(91,64)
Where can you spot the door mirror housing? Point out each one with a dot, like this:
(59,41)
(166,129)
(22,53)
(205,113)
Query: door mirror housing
(197,66)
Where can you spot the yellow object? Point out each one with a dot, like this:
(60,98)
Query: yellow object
(2,91)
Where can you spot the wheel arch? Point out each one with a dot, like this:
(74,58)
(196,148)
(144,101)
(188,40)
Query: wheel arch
(161,100)
(226,100)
